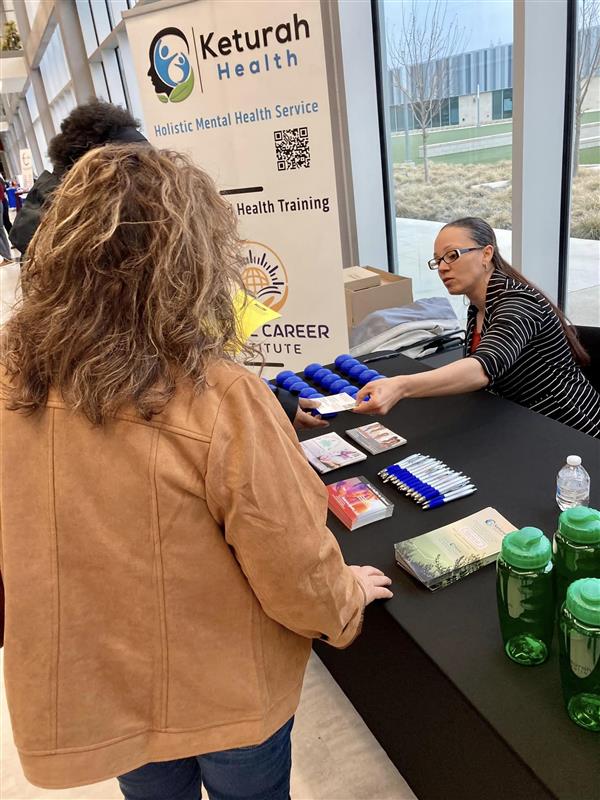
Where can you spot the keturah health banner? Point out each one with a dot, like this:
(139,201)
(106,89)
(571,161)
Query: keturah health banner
(243,88)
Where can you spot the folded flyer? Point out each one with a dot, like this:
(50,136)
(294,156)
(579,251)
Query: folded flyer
(375,438)
(330,451)
(447,554)
(356,502)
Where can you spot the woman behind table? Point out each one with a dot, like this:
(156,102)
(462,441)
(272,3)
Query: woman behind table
(518,344)
(164,550)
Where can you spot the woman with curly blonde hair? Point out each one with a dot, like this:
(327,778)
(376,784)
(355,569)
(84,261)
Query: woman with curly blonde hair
(163,545)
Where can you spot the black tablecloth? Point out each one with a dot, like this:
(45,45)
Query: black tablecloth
(428,673)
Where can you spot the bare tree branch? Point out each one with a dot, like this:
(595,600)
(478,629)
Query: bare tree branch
(420,58)
(588,63)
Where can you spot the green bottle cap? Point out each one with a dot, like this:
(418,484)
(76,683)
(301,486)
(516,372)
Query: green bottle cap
(526,549)
(583,600)
(580,524)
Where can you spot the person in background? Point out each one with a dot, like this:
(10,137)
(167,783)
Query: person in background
(5,210)
(89,125)
(182,561)
(518,343)
(5,251)
(18,189)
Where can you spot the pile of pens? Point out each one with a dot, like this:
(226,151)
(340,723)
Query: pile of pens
(427,481)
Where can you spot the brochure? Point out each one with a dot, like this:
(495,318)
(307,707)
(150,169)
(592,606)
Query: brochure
(447,554)
(356,502)
(330,451)
(375,438)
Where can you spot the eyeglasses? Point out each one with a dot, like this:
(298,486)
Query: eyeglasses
(450,257)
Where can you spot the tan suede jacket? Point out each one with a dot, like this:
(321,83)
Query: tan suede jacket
(163,579)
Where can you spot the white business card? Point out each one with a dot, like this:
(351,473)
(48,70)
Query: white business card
(335,403)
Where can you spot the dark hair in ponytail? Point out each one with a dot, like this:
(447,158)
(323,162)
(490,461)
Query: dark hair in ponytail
(484,235)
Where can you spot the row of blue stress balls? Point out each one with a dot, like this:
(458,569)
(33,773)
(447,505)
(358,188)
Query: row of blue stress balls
(327,379)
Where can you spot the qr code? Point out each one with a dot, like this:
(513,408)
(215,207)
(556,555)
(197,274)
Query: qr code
(292,149)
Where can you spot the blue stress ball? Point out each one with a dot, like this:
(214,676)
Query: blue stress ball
(341,358)
(378,378)
(320,374)
(347,365)
(287,373)
(367,376)
(352,391)
(297,387)
(288,382)
(309,392)
(339,386)
(329,380)
(357,370)
(310,369)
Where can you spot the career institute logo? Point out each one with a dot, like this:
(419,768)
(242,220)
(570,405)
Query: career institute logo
(170,70)
(264,275)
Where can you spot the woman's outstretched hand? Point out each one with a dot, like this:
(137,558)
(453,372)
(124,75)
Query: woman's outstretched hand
(382,394)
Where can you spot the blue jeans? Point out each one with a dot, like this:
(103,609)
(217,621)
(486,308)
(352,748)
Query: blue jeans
(260,772)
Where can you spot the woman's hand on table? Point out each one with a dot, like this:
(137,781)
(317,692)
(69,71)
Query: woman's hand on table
(383,395)
(374,583)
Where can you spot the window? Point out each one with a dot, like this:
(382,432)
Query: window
(42,143)
(116,7)
(61,106)
(31,7)
(450,125)
(99,79)
(53,66)
(102,24)
(32,103)
(88,26)
(583,275)
(502,104)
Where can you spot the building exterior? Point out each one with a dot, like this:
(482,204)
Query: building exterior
(478,88)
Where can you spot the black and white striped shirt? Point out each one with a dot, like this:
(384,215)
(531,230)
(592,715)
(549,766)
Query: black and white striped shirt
(526,355)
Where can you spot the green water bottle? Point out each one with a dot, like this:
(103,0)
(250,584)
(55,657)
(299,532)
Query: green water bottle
(576,548)
(579,646)
(525,594)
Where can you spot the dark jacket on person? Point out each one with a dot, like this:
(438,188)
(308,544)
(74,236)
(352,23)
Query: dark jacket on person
(28,218)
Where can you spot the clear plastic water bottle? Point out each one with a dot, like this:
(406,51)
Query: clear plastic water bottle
(579,647)
(576,547)
(525,595)
(572,485)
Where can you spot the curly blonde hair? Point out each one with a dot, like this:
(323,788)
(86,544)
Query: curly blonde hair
(128,286)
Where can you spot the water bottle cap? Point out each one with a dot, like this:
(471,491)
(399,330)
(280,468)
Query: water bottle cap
(526,549)
(583,600)
(580,524)
(574,461)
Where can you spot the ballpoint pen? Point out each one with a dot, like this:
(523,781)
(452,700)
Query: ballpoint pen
(439,501)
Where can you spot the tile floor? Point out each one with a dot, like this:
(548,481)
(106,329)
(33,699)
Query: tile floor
(335,756)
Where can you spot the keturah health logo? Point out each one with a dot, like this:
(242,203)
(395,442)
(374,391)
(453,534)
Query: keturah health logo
(170,70)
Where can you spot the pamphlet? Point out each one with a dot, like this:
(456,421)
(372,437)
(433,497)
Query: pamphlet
(375,438)
(356,502)
(330,451)
(335,402)
(447,554)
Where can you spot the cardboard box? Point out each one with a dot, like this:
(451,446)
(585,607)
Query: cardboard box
(391,291)
(359,278)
